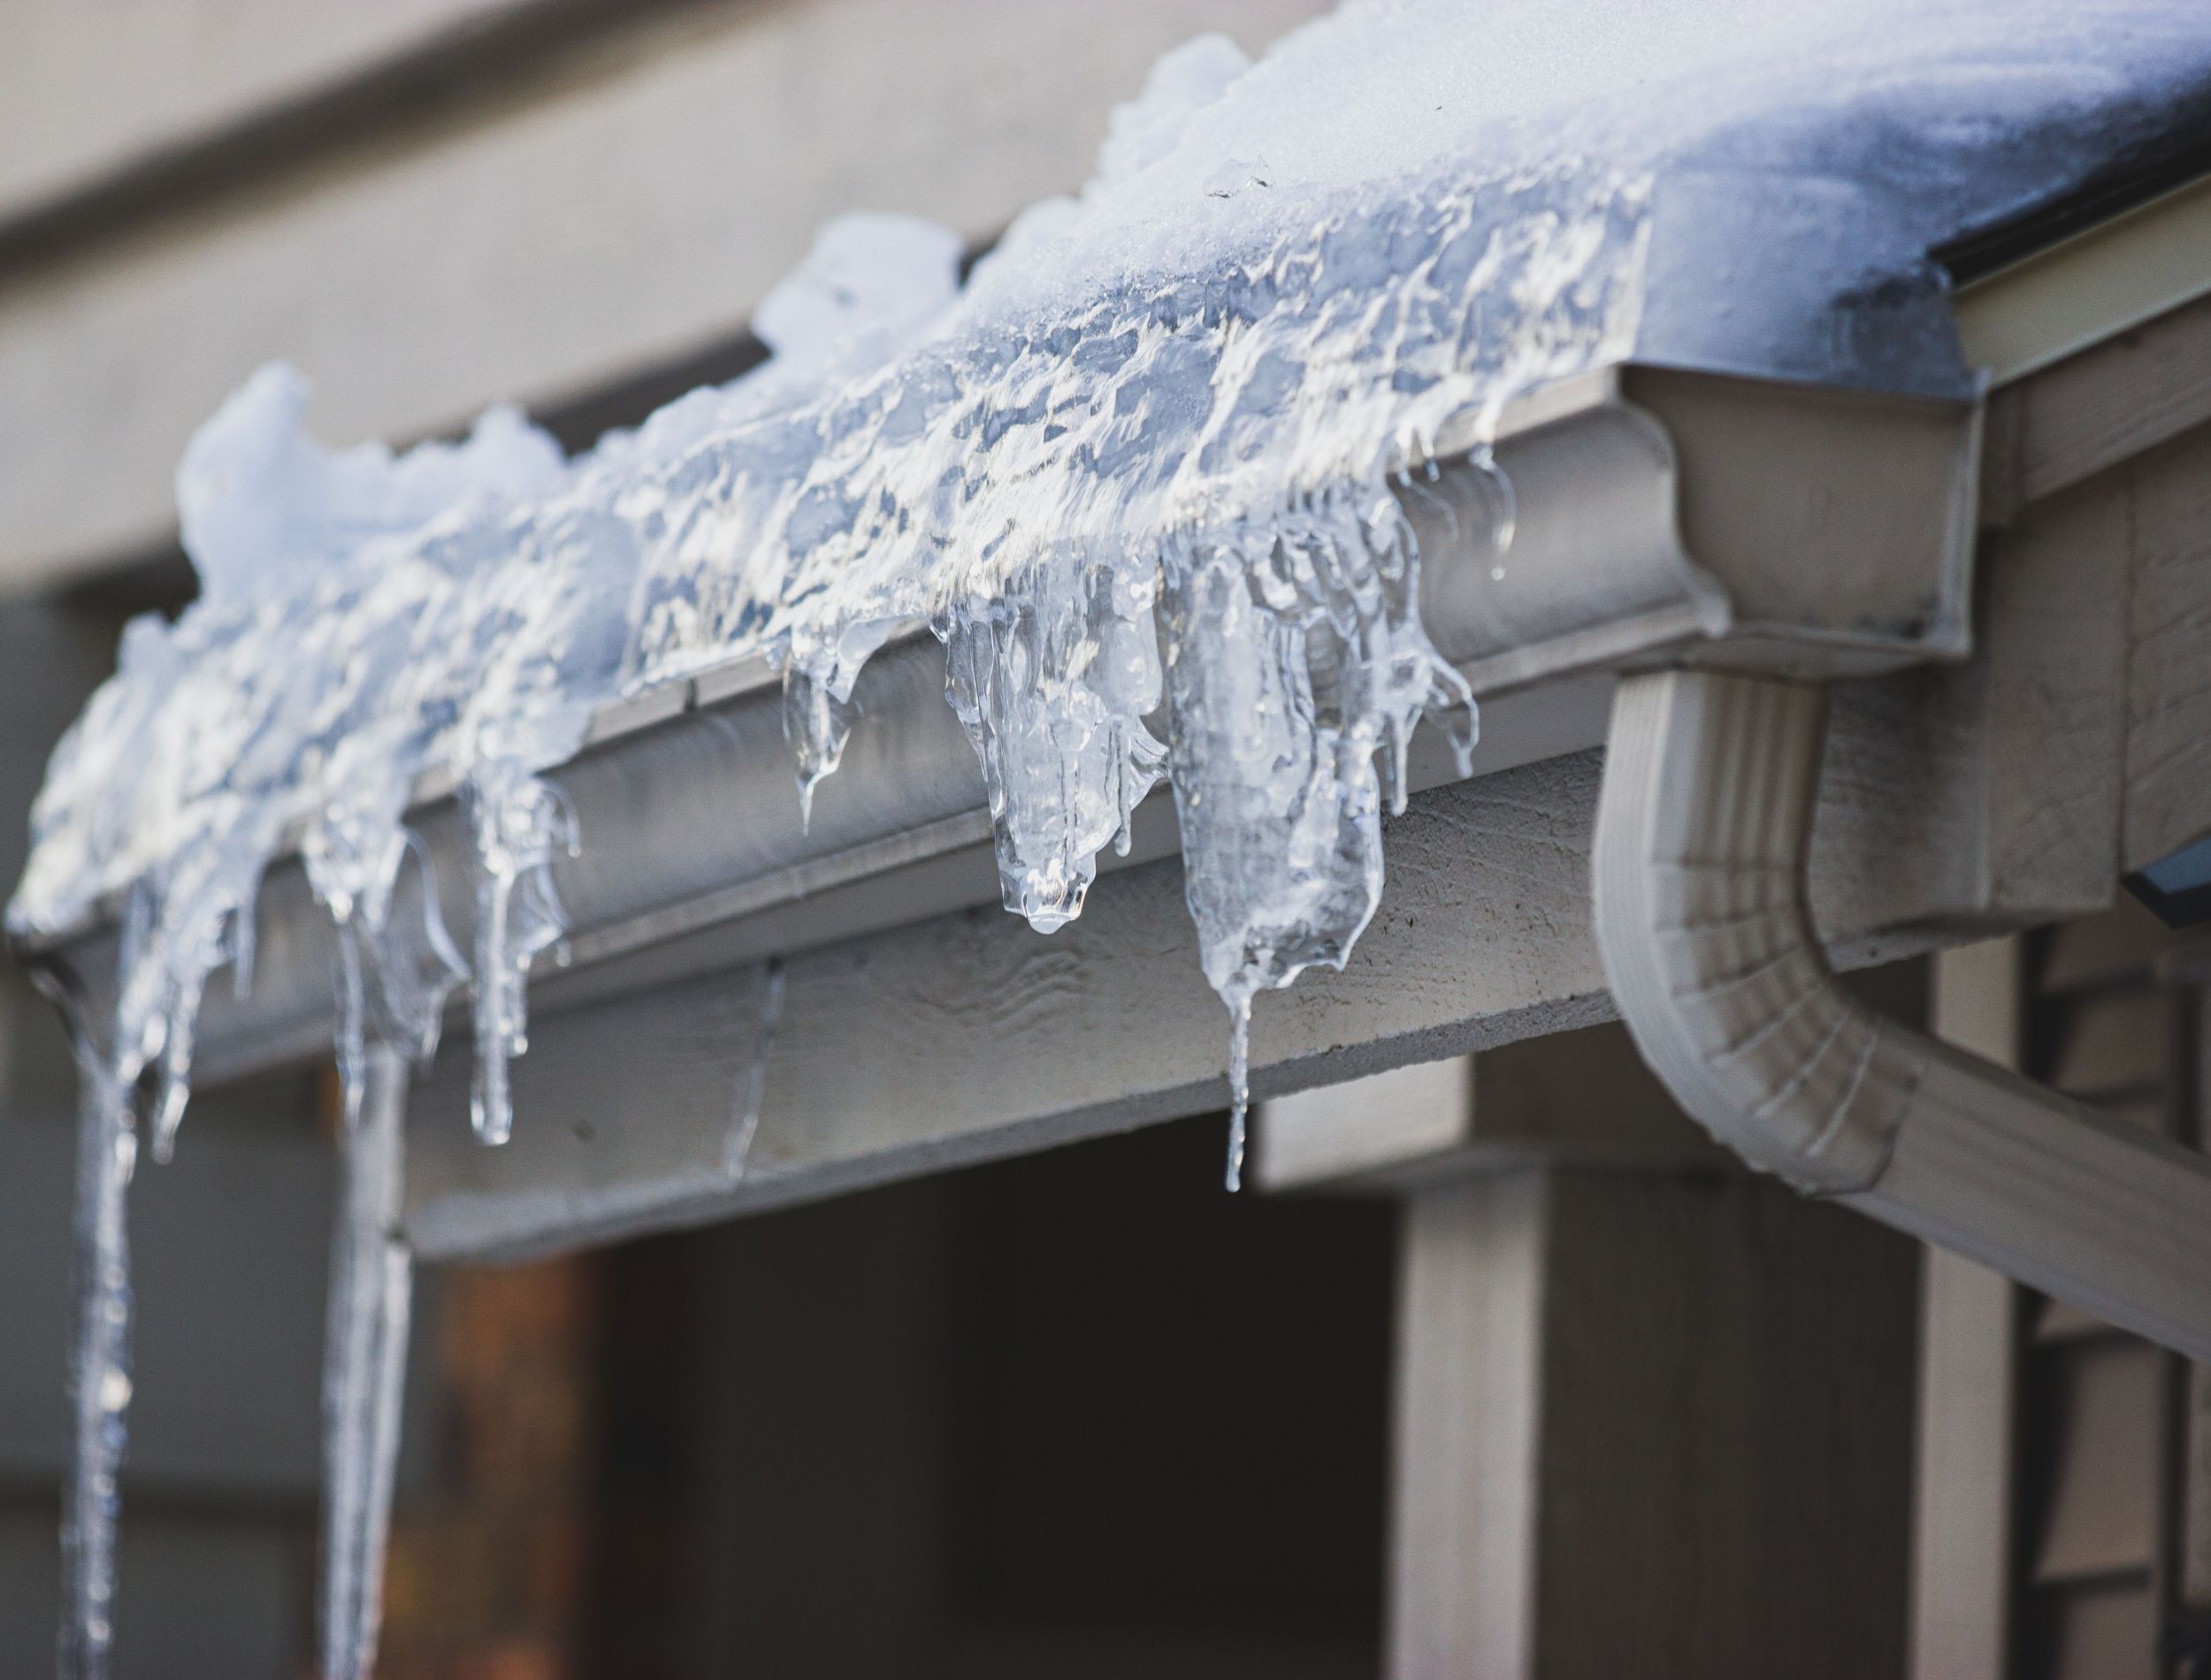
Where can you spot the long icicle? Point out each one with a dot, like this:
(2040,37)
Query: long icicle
(364,1367)
(1239,1086)
(100,1377)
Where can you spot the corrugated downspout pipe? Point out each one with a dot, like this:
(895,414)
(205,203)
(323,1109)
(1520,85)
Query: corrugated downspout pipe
(1703,832)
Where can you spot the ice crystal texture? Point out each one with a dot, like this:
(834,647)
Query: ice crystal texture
(100,1375)
(364,1368)
(1139,475)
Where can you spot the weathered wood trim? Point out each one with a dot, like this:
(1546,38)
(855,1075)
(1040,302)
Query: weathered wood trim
(968,1035)
(1969,1341)
(1580,1099)
(1647,1423)
(1467,1451)
(2167,672)
(2087,413)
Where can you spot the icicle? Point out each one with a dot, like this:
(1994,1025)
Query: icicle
(756,1077)
(1053,681)
(100,1379)
(1239,1086)
(501,1030)
(414,965)
(364,1368)
(350,1038)
(1502,500)
(172,1090)
(395,963)
(245,939)
(816,723)
(517,821)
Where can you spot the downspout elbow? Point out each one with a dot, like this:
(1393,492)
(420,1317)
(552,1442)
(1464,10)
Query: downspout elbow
(1703,832)
(1700,919)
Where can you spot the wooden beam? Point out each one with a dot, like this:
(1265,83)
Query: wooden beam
(1649,1424)
(1580,1098)
(1465,1457)
(968,1036)
(2094,410)
(2168,681)
(1962,1562)
(1352,1133)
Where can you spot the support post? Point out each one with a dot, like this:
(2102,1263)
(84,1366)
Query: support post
(1652,1414)
(1968,1358)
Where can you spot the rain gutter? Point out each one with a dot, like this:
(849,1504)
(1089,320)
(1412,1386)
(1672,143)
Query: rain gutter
(1662,515)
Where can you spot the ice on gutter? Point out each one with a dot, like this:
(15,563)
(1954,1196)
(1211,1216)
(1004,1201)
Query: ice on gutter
(1146,465)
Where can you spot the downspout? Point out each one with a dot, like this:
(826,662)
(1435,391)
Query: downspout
(1703,832)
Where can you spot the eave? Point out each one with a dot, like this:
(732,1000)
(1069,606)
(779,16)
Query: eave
(1666,516)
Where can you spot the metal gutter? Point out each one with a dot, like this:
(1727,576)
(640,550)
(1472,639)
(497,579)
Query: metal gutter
(1661,515)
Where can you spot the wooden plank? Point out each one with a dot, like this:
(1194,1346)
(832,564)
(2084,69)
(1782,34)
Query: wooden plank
(2019,752)
(2103,1502)
(2192,1566)
(968,1035)
(2168,678)
(1724,1476)
(2192,1569)
(1968,1320)
(1969,1382)
(2115,1047)
(2104,405)
(2028,736)
(1580,1098)
(1385,1121)
(590,230)
(1961,1539)
(1467,1444)
(2054,616)
(1681,1397)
